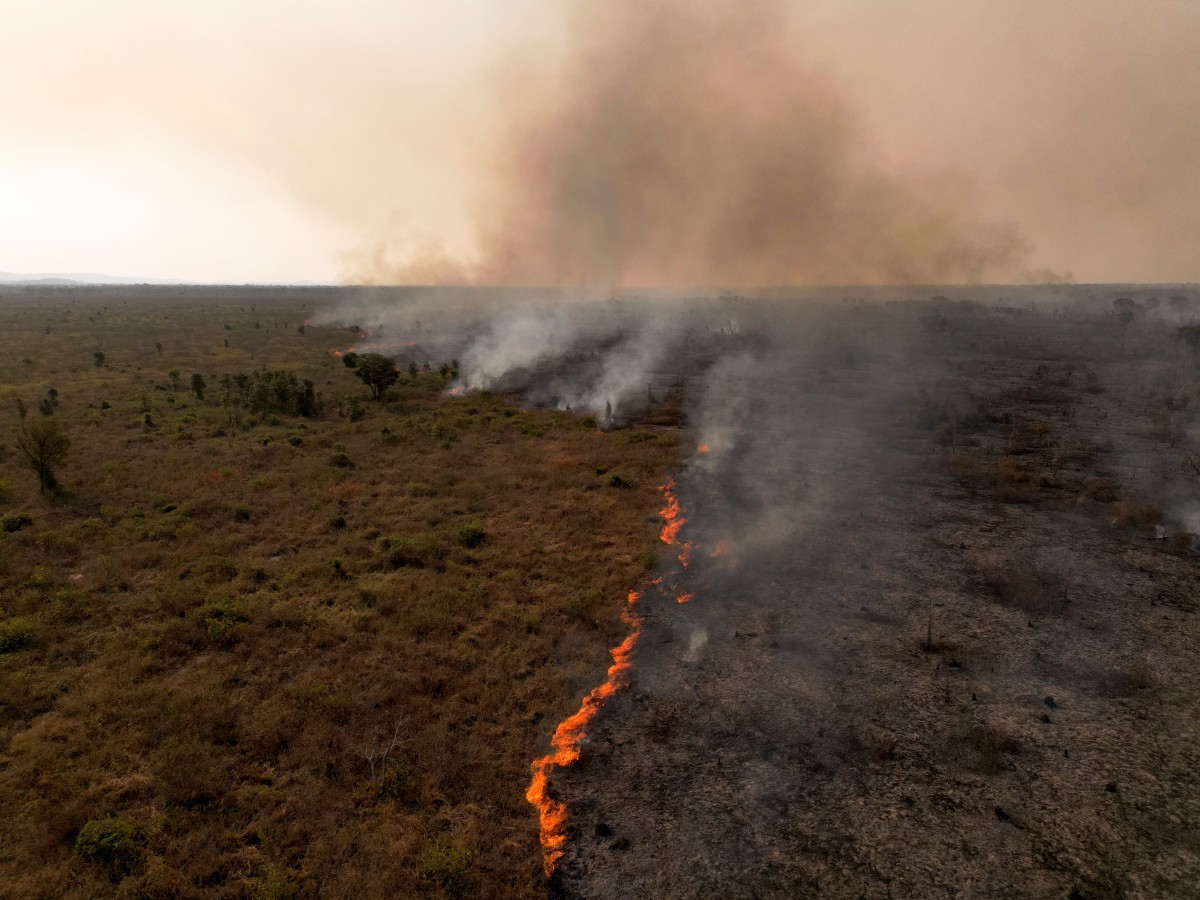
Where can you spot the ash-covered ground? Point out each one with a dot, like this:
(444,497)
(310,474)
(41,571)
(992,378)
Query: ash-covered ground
(947,644)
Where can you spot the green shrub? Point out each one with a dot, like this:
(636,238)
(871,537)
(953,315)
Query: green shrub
(274,885)
(471,534)
(446,862)
(113,842)
(264,392)
(419,489)
(17,634)
(216,567)
(418,551)
(219,616)
(352,408)
(15,522)
(341,461)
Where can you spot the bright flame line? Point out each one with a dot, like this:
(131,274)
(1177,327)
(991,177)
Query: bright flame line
(571,732)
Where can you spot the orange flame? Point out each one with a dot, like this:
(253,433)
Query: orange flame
(703,448)
(684,598)
(672,515)
(572,731)
(685,554)
(718,550)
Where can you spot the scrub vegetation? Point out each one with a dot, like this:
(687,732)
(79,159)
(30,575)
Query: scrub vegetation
(263,637)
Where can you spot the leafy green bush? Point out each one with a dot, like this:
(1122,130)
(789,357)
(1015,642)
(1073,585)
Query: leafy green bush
(114,842)
(341,461)
(15,522)
(419,551)
(471,534)
(352,408)
(17,634)
(446,862)
(219,616)
(269,391)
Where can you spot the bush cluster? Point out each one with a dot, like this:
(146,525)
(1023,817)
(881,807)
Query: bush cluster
(264,391)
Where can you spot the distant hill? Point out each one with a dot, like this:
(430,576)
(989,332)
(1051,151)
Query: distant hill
(57,278)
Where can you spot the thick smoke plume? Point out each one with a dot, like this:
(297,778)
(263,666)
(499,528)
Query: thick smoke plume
(686,144)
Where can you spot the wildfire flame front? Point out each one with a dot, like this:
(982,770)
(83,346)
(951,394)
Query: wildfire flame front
(572,731)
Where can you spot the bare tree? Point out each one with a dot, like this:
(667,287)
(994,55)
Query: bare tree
(377,749)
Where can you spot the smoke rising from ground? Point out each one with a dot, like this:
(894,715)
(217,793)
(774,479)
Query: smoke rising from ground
(685,144)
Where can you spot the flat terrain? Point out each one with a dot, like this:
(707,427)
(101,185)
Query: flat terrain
(254,654)
(940,637)
(949,646)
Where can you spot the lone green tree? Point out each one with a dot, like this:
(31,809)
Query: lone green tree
(377,372)
(198,386)
(98,357)
(44,447)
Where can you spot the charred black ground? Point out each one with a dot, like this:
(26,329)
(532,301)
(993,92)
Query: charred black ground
(949,649)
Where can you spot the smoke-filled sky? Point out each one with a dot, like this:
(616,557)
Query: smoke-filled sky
(602,142)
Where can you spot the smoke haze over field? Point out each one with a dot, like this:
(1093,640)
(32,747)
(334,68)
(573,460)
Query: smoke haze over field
(685,144)
(710,156)
(602,143)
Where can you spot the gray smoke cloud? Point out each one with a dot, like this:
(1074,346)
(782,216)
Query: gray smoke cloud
(686,144)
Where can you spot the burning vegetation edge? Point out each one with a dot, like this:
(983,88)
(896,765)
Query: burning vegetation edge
(566,744)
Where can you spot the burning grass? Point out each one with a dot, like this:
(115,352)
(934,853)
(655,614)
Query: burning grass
(568,737)
(211,633)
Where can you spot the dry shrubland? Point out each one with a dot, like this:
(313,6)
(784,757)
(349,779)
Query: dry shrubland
(267,655)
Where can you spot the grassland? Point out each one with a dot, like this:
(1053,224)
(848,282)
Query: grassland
(259,655)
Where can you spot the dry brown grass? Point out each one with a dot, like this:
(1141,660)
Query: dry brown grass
(1125,513)
(1024,585)
(214,632)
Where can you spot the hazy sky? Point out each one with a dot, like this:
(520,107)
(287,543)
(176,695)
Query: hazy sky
(268,140)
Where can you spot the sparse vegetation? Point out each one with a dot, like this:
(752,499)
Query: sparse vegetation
(188,679)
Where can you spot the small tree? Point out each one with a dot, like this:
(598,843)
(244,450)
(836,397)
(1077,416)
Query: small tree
(350,359)
(44,447)
(198,386)
(98,356)
(377,372)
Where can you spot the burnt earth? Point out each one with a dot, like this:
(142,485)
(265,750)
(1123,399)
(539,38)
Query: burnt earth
(951,650)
